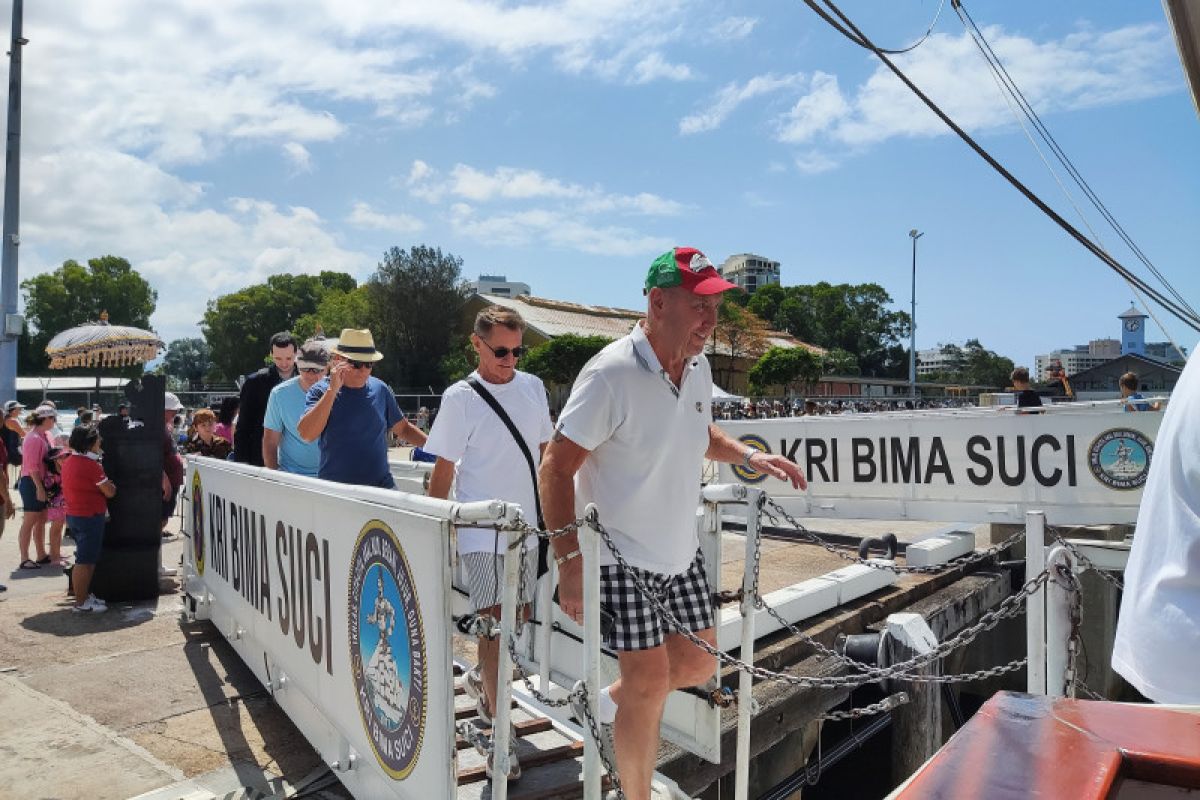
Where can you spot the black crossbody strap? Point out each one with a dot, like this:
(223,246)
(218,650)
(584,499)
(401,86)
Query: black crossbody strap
(520,440)
(543,565)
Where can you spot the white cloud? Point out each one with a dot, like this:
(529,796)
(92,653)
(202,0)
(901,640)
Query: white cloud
(555,229)
(734,28)
(733,95)
(654,67)
(1081,70)
(515,184)
(298,155)
(814,162)
(367,218)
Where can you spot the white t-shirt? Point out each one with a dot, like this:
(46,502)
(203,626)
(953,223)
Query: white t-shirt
(1157,646)
(647,442)
(488,463)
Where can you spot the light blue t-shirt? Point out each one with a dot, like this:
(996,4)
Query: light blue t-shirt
(285,406)
(354,443)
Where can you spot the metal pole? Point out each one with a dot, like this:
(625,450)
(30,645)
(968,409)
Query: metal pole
(12,210)
(912,330)
(501,722)
(741,780)
(1035,605)
(1058,626)
(589,545)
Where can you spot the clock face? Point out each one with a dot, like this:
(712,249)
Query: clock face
(1132,325)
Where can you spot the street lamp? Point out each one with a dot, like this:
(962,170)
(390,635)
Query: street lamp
(914,234)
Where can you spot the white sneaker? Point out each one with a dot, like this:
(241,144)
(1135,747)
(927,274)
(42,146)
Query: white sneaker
(96,601)
(89,607)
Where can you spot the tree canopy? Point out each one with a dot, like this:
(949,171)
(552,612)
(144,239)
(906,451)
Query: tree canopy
(238,326)
(75,294)
(415,299)
(740,333)
(337,310)
(853,318)
(558,361)
(188,361)
(786,367)
(972,364)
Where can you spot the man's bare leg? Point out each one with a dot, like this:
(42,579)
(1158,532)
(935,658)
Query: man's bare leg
(640,695)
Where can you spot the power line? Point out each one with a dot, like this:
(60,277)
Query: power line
(1010,86)
(848,29)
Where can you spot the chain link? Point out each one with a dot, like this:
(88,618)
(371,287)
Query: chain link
(886,704)
(1087,563)
(1066,576)
(776,511)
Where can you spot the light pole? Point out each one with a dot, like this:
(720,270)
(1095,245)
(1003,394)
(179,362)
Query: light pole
(914,234)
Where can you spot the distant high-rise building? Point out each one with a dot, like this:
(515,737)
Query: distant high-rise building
(749,271)
(1106,348)
(498,285)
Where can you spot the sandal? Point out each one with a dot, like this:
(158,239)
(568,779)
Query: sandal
(44,560)
(27,564)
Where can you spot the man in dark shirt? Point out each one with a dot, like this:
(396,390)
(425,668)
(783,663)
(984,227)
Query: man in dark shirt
(1026,397)
(248,435)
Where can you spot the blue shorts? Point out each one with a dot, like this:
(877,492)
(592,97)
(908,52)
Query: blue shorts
(89,535)
(28,490)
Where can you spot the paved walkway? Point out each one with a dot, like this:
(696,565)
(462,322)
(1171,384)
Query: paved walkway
(120,704)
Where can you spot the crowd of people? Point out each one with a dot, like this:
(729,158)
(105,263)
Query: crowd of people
(776,408)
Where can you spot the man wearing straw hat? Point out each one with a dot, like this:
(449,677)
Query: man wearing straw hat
(351,412)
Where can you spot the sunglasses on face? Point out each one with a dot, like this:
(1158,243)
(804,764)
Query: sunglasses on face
(312,370)
(361,364)
(503,352)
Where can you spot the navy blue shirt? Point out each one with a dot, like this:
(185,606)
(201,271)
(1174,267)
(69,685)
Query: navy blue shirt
(354,443)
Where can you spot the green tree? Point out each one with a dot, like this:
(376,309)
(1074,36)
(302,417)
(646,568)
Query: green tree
(840,362)
(460,361)
(739,334)
(784,366)
(187,361)
(75,294)
(415,300)
(972,364)
(766,300)
(238,326)
(338,309)
(558,361)
(850,317)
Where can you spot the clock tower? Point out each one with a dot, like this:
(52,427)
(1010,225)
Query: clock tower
(1133,332)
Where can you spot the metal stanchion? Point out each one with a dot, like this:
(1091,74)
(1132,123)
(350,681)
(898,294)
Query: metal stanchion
(1035,606)
(589,544)
(754,499)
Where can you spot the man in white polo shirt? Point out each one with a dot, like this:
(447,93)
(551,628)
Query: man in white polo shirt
(632,439)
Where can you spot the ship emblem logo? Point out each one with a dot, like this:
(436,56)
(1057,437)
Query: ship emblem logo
(1120,458)
(749,475)
(198,523)
(387,649)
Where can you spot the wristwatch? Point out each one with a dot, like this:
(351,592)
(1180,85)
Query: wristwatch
(750,451)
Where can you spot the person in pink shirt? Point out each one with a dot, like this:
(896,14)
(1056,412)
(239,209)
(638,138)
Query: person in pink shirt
(87,491)
(33,491)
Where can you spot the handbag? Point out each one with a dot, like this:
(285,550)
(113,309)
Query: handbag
(543,544)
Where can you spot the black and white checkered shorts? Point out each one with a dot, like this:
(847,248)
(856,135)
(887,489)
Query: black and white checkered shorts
(637,626)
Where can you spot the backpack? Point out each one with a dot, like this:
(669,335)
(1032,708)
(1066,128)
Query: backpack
(12,445)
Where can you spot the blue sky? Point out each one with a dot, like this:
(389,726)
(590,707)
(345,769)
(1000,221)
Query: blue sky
(567,143)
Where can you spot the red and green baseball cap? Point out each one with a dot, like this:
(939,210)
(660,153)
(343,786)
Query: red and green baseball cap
(689,268)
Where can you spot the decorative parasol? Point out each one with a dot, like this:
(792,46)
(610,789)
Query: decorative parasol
(98,344)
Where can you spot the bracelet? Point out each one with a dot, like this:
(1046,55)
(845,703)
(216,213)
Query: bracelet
(750,451)
(560,560)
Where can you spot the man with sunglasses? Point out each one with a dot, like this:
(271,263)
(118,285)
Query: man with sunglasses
(472,441)
(282,446)
(351,412)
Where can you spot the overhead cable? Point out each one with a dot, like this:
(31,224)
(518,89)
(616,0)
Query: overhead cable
(1009,86)
(848,29)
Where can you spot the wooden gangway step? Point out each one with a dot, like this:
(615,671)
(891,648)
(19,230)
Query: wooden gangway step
(551,760)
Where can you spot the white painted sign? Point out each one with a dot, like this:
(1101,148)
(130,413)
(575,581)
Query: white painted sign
(975,466)
(337,598)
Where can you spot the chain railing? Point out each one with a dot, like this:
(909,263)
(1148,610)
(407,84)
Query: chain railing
(861,674)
